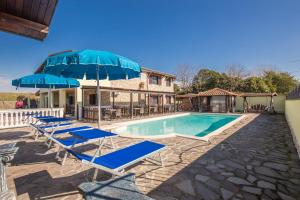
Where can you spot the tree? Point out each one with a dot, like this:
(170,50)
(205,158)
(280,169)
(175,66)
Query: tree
(280,82)
(184,74)
(207,79)
(176,88)
(255,84)
(234,75)
(236,71)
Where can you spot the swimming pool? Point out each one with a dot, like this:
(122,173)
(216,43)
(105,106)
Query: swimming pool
(189,124)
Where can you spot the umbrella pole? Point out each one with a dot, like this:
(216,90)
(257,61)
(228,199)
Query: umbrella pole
(98,97)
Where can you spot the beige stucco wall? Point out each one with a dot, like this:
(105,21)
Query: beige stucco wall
(292,114)
(278,102)
(143,80)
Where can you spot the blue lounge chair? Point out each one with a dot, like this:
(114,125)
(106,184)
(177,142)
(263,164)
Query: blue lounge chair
(37,120)
(43,117)
(54,133)
(82,137)
(116,162)
(55,120)
(50,123)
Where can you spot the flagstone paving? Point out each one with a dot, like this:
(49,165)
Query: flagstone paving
(254,159)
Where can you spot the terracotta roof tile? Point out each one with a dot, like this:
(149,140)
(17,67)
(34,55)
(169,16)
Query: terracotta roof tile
(217,92)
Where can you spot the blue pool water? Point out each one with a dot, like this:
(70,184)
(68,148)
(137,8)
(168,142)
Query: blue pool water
(191,125)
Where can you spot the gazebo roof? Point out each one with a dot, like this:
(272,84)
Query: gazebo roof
(29,18)
(253,94)
(217,92)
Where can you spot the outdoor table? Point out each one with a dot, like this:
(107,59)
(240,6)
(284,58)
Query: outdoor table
(124,109)
(111,111)
(152,108)
(136,109)
(167,108)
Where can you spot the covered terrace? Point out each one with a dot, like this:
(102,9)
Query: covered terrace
(118,103)
(268,106)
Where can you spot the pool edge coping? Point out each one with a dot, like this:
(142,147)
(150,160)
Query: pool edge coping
(205,138)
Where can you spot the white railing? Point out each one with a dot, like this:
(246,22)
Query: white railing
(19,117)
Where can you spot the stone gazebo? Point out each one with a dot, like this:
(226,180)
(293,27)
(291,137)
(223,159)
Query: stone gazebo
(217,100)
(214,100)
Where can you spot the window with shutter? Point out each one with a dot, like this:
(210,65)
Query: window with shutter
(168,82)
(155,80)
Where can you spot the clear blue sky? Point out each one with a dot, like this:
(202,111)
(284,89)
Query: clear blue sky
(163,34)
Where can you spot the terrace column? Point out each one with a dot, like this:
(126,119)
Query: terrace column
(228,107)
(78,103)
(62,98)
(162,103)
(131,105)
(233,104)
(174,103)
(113,99)
(145,97)
(149,104)
(245,104)
(230,103)
(199,104)
(272,104)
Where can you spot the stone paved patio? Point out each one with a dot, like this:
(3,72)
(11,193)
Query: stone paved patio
(254,159)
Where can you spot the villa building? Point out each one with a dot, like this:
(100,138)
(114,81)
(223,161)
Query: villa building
(153,92)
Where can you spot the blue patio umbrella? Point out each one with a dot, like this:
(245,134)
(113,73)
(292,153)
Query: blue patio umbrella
(45,81)
(92,64)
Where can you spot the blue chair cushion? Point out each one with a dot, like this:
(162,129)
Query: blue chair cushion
(43,117)
(55,119)
(73,129)
(92,134)
(54,125)
(71,141)
(124,156)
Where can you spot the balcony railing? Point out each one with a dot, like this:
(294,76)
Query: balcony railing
(19,117)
